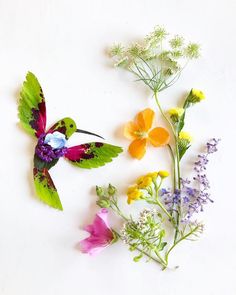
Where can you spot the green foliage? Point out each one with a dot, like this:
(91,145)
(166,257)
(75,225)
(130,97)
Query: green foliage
(45,189)
(100,155)
(30,96)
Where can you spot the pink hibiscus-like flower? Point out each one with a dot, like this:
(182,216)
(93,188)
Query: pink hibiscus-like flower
(101,234)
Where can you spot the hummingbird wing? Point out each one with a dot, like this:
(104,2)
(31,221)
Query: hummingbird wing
(32,107)
(45,188)
(92,155)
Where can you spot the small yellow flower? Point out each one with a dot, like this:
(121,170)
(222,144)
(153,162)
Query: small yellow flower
(153,175)
(176,112)
(133,194)
(198,95)
(185,135)
(144,181)
(163,173)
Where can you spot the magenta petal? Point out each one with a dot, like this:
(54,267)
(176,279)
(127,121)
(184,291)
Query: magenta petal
(100,234)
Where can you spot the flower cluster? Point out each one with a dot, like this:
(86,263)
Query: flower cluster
(145,234)
(48,150)
(194,194)
(156,60)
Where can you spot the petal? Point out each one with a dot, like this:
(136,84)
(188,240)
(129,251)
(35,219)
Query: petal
(103,214)
(93,245)
(145,119)
(159,136)
(137,148)
(130,129)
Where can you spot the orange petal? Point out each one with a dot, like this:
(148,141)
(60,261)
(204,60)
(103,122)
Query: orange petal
(145,119)
(130,130)
(159,136)
(137,148)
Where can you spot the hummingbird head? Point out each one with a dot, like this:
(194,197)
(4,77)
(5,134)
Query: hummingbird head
(67,126)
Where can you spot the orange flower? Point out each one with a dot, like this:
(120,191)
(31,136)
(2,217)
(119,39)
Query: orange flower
(140,134)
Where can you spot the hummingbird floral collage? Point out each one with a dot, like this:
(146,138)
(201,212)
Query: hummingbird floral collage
(169,214)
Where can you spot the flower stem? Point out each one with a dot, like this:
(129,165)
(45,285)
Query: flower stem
(175,160)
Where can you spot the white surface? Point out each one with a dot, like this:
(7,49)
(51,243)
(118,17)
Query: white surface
(63,43)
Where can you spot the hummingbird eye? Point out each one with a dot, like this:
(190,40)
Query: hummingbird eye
(71,125)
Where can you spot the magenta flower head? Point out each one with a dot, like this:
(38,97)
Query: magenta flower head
(101,234)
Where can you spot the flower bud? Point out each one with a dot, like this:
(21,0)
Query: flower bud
(194,96)
(185,136)
(111,190)
(176,114)
(100,191)
(163,173)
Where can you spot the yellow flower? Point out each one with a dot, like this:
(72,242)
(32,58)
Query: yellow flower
(133,194)
(198,95)
(153,175)
(185,135)
(163,173)
(176,112)
(144,181)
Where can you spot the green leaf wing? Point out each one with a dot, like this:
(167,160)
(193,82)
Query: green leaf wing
(92,155)
(45,189)
(32,107)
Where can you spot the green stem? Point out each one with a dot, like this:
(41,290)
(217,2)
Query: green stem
(160,261)
(178,241)
(175,159)
(174,165)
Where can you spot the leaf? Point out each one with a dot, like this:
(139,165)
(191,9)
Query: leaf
(92,155)
(45,189)
(32,108)
(40,164)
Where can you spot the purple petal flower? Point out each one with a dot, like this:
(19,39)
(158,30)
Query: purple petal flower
(46,152)
(194,193)
(101,234)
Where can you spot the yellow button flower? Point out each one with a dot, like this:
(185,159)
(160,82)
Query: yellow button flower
(185,135)
(144,181)
(133,194)
(163,173)
(140,134)
(153,175)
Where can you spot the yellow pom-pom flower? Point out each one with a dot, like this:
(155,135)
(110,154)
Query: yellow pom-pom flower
(133,194)
(185,135)
(178,112)
(198,94)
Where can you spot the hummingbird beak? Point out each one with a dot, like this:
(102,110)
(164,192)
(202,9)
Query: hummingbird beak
(87,132)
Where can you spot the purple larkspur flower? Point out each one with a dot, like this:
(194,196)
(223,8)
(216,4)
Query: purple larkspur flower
(46,152)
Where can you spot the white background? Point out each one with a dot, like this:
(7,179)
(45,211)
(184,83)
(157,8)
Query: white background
(64,43)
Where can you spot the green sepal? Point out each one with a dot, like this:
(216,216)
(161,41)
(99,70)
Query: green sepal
(183,146)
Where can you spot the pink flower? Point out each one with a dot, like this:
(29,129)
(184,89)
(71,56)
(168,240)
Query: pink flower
(101,234)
